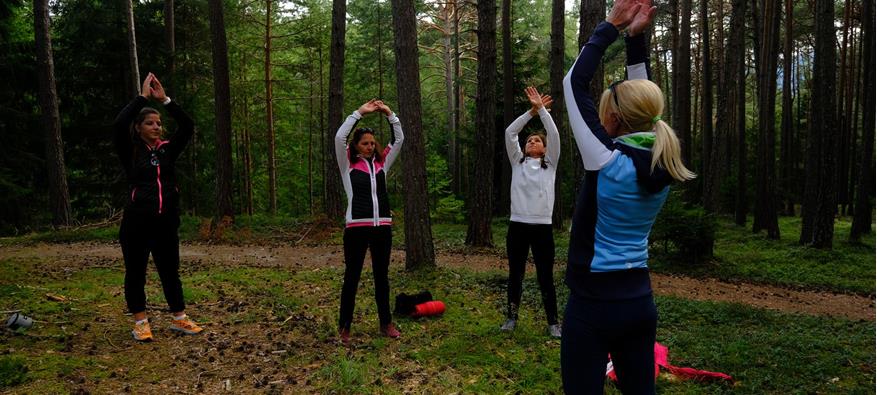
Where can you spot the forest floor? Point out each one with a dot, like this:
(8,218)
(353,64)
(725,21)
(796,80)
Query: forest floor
(269,312)
(76,256)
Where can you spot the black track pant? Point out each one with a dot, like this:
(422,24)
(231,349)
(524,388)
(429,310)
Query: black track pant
(378,240)
(520,238)
(592,329)
(142,234)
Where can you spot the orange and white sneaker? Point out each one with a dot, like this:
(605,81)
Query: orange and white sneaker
(185,325)
(142,332)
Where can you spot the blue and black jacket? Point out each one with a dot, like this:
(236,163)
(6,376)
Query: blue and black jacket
(621,195)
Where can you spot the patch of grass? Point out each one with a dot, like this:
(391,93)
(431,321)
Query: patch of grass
(741,255)
(13,371)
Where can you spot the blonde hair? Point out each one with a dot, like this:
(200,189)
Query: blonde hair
(640,104)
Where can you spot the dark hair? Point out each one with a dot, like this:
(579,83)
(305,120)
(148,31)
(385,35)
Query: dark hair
(353,155)
(140,117)
(542,137)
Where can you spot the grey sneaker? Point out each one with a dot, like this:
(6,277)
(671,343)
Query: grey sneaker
(554,330)
(508,326)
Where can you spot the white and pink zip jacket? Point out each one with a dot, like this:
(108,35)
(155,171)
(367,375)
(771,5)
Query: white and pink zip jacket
(365,182)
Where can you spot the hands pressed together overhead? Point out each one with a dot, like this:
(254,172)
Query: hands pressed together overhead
(152,88)
(633,15)
(375,105)
(537,101)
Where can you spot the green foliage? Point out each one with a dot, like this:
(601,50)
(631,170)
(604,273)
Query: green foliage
(684,232)
(13,371)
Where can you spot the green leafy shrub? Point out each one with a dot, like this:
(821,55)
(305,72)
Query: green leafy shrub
(684,232)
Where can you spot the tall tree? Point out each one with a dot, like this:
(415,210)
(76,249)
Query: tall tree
(508,107)
(222,109)
(682,74)
(333,205)
(481,193)
(269,113)
(765,210)
(170,39)
(738,52)
(556,60)
(844,111)
(786,157)
(707,139)
(419,250)
(862,208)
(59,197)
(134,68)
(819,207)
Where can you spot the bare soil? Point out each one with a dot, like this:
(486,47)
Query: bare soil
(199,256)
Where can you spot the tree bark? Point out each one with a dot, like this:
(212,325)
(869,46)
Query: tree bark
(59,197)
(508,109)
(222,108)
(419,250)
(556,68)
(710,182)
(682,111)
(134,68)
(481,206)
(269,115)
(817,226)
(738,26)
(786,157)
(333,201)
(862,209)
(765,213)
(592,13)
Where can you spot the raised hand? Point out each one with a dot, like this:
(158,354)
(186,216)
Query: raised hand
(643,19)
(537,101)
(384,108)
(368,107)
(146,89)
(158,93)
(623,12)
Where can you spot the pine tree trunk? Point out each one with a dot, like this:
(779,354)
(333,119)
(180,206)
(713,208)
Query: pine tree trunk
(862,209)
(333,201)
(269,116)
(222,108)
(710,182)
(817,226)
(481,206)
(133,64)
(508,108)
(738,26)
(556,68)
(450,98)
(843,115)
(765,214)
(682,112)
(786,158)
(59,197)
(419,250)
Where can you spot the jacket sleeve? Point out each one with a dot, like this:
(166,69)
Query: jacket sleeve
(392,151)
(637,58)
(512,146)
(185,130)
(341,141)
(552,152)
(595,145)
(122,132)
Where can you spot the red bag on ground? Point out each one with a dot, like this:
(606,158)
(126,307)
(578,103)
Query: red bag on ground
(662,361)
(427,309)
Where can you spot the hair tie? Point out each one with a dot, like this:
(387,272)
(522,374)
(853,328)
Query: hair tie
(656,119)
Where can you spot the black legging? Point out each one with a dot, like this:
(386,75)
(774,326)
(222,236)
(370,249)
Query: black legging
(520,238)
(379,240)
(592,329)
(141,234)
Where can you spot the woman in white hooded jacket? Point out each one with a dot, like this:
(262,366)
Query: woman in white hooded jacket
(532,198)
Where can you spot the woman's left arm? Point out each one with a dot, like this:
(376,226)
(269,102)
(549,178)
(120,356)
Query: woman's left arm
(394,147)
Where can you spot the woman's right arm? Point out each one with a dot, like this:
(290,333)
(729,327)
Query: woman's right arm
(595,145)
(341,141)
(512,146)
(121,128)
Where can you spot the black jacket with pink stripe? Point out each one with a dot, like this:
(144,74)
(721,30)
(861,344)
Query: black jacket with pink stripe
(151,171)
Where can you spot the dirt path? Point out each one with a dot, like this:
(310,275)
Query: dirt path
(205,255)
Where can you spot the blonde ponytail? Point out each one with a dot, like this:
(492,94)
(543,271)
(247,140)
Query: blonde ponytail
(668,153)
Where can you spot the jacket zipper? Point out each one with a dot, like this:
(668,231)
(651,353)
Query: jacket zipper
(375,211)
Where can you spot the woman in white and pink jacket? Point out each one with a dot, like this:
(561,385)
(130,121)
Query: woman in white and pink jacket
(364,168)
(532,198)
